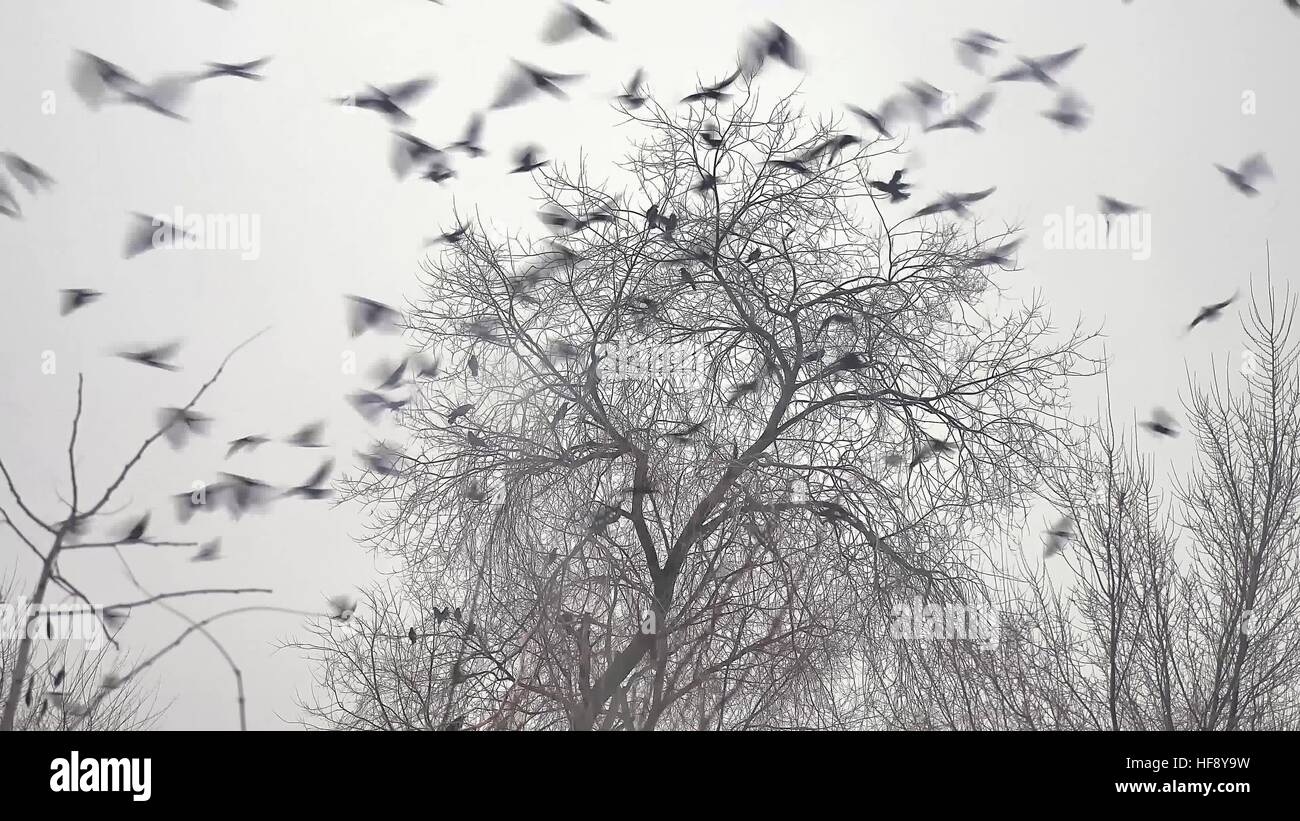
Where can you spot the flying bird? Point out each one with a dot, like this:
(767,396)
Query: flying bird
(1246,177)
(969,116)
(73,298)
(632,97)
(147,233)
(94,79)
(367,314)
(974,46)
(31,177)
(245,71)
(409,151)
(1111,207)
(1211,312)
(1070,113)
(525,81)
(955,203)
(569,21)
(245,443)
(934,447)
(208,552)
(470,142)
(177,425)
(527,159)
(1039,69)
(389,101)
(1162,423)
(311,489)
(155,357)
(308,436)
(876,121)
(341,607)
(894,187)
(1058,536)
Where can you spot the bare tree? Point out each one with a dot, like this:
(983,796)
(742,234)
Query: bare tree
(50,539)
(681,458)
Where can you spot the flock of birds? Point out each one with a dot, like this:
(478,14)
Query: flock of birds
(98,82)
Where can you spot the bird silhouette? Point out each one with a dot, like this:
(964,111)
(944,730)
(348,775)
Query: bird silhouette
(367,314)
(389,101)
(968,117)
(71,299)
(1070,113)
(955,203)
(1039,69)
(1246,177)
(1211,312)
(1162,423)
(568,21)
(245,71)
(894,187)
(974,46)
(527,159)
(525,81)
(1057,537)
(156,357)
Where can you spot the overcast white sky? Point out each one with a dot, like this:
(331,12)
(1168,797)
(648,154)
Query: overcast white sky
(1166,79)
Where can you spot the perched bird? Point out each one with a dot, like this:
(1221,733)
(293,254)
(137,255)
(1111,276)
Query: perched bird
(1211,312)
(1246,176)
(308,436)
(177,424)
(367,314)
(974,46)
(1039,69)
(569,21)
(154,357)
(245,71)
(527,160)
(1162,423)
(136,531)
(73,298)
(245,443)
(894,187)
(208,552)
(389,101)
(955,203)
(412,637)
(1058,536)
(525,81)
(968,117)
(458,412)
